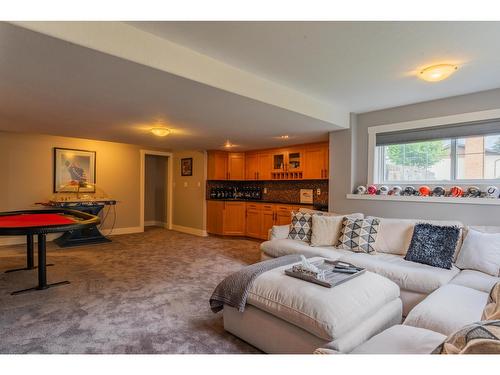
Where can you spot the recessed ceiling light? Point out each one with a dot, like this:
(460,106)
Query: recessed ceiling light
(160,131)
(437,73)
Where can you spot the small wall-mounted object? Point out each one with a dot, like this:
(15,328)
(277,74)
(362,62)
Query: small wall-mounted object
(306,196)
(187,167)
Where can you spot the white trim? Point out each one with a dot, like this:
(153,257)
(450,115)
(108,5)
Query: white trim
(189,230)
(476,201)
(20,240)
(170,174)
(155,223)
(120,231)
(419,124)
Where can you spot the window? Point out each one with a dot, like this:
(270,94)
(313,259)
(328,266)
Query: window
(453,159)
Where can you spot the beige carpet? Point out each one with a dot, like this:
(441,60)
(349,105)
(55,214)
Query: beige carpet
(142,293)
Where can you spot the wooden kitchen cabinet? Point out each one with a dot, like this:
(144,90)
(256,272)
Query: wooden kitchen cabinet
(217,165)
(223,165)
(236,166)
(265,166)
(258,166)
(251,166)
(283,214)
(254,221)
(226,218)
(316,162)
(234,219)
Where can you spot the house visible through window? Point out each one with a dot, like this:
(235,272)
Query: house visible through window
(403,157)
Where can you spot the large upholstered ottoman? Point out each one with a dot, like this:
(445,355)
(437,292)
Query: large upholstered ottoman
(288,315)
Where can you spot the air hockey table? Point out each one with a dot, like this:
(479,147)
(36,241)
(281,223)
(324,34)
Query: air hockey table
(40,223)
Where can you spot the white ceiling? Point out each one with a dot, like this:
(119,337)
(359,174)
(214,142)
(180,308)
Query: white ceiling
(362,65)
(51,86)
(253,81)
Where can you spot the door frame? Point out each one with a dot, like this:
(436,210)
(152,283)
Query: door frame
(170,164)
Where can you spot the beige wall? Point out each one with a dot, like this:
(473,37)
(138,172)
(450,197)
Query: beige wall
(26,172)
(349,161)
(155,189)
(189,192)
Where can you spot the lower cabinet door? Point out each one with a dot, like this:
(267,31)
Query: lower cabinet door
(234,218)
(267,221)
(253,224)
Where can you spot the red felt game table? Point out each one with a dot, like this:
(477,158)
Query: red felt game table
(40,223)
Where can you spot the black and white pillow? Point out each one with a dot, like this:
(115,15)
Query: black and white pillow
(301,226)
(359,235)
(433,245)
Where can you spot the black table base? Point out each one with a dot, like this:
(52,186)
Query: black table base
(86,236)
(42,266)
(30,257)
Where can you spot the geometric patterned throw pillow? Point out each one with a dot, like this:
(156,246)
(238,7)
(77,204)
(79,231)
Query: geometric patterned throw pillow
(301,226)
(359,235)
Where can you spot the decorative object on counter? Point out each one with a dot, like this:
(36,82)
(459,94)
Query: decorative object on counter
(473,192)
(372,190)
(438,191)
(360,190)
(306,196)
(456,192)
(396,190)
(384,190)
(492,192)
(409,191)
(187,167)
(74,170)
(240,193)
(424,191)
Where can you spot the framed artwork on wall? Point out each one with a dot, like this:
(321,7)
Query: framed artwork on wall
(74,170)
(187,167)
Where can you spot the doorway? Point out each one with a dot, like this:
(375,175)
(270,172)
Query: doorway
(156,189)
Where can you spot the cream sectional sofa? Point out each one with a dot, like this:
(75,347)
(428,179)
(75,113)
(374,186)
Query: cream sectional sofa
(416,281)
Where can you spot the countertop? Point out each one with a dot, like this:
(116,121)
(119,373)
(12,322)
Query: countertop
(259,201)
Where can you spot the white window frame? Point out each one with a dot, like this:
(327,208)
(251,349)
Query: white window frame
(375,157)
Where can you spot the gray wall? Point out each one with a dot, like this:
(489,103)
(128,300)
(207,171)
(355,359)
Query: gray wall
(155,192)
(349,161)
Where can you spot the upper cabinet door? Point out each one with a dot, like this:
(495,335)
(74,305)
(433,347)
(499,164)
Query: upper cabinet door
(316,162)
(265,166)
(217,165)
(279,161)
(236,166)
(252,166)
(295,160)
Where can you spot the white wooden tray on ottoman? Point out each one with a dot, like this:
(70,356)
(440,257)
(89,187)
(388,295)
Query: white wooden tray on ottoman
(288,315)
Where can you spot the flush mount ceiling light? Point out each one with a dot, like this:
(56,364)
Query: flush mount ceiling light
(228,144)
(437,73)
(284,136)
(160,131)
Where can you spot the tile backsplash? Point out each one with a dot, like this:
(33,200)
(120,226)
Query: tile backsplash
(280,191)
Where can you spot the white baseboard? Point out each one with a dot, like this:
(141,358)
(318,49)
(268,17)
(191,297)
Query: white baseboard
(128,230)
(19,240)
(189,230)
(153,223)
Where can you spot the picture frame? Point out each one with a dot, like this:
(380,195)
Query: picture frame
(187,167)
(74,170)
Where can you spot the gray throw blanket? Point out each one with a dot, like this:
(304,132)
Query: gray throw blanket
(233,290)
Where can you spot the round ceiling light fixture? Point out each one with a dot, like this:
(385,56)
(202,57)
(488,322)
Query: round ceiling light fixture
(435,73)
(160,131)
(228,144)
